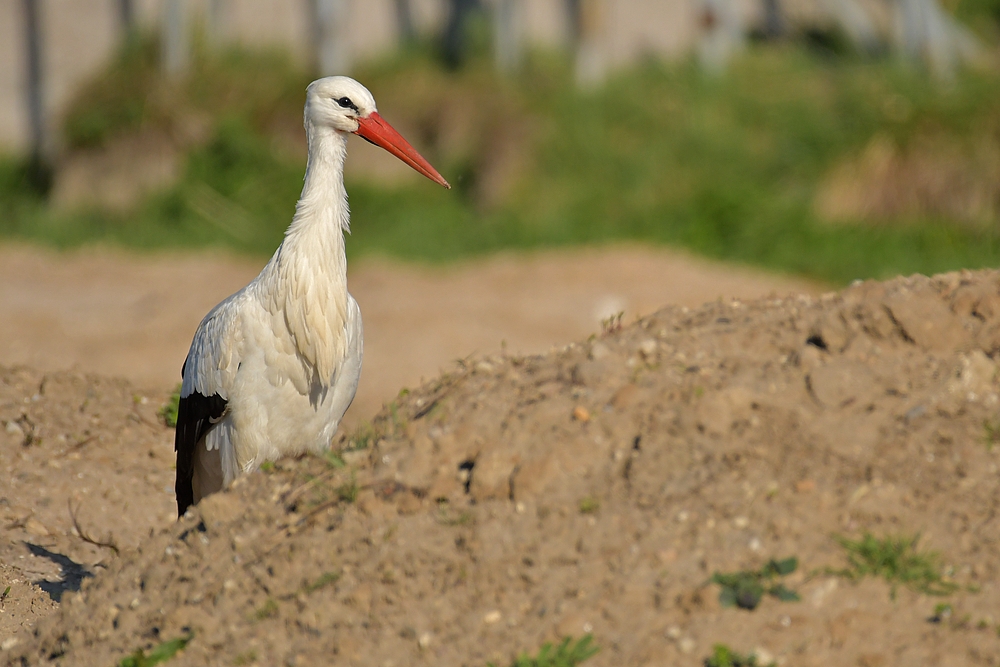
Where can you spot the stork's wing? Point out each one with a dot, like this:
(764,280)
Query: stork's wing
(207,376)
(196,415)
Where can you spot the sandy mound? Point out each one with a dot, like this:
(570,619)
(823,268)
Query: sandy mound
(596,489)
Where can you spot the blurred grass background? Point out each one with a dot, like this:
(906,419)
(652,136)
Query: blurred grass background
(799,159)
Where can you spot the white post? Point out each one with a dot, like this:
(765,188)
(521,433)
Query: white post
(722,34)
(925,32)
(218,23)
(333,55)
(856,22)
(176,40)
(37,120)
(507,45)
(591,60)
(404,22)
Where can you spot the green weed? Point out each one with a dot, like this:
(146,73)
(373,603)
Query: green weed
(323,581)
(334,459)
(942,612)
(895,559)
(723,656)
(363,437)
(991,431)
(245,658)
(589,505)
(267,610)
(568,654)
(169,410)
(745,589)
(348,491)
(157,654)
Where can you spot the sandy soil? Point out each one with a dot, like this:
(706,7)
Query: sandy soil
(516,499)
(129,316)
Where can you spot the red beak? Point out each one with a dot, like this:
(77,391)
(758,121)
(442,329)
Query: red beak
(376,130)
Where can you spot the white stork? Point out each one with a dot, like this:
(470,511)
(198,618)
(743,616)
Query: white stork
(273,368)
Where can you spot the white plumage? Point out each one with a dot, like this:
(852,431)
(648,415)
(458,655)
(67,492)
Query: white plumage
(273,368)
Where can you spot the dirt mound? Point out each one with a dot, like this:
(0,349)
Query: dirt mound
(516,500)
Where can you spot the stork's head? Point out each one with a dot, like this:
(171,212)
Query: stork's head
(345,105)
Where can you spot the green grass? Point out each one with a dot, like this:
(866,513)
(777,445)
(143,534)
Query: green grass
(727,167)
(168,412)
(723,656)
(158,654)
(895,559)
(568,654)
(745,589)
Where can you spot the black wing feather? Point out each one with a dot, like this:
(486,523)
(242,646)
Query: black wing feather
(196,415)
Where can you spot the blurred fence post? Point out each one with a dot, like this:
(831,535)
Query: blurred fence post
(856,23)
(722,34)
(454,39)
(126,17)
(587,23)
(925,32)
(217,23)
(774,20)
(38,167)
(333,55)
(507,38)
(176,40)
(404,22)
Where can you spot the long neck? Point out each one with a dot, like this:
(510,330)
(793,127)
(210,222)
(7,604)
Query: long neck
(307,277)
(322,206)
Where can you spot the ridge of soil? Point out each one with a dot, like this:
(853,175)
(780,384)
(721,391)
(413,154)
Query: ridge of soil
(515,500)
(106,311)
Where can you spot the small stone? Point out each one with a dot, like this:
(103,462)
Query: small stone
(35,527)
(666,556)
(8,643)
(14,428)
(492,617)
(424,640)
(674,632)
(805,486)
(686,645)
(581,414)
(764,657)
(741,522)
(647,348)
(599,351)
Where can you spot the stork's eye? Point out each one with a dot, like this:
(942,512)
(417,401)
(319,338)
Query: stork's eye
(346,103)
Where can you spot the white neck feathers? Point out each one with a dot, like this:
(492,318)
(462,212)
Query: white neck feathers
(307,277)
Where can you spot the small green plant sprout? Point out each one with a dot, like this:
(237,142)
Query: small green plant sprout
(5,594)
(942,612)
(362,438)
(267,467)
(348,491)
(895,559)
(589,505)
(169,410)
(267,610)
(321,582)
(157,654)
(612,323)
(723,656)
(568,654)
(991,433)
(745,589)
(334,459)
(245,658)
